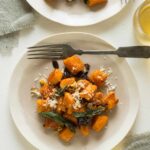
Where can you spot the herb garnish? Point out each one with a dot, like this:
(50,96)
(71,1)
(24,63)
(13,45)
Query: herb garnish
(90,112)
(59,119)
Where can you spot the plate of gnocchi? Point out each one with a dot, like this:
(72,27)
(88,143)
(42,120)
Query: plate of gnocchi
(78,12)
(78,102)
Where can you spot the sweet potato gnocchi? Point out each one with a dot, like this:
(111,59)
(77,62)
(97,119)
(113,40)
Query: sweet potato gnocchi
(71,98)
(89,3)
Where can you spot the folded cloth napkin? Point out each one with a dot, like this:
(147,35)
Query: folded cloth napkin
(15,15)
(137,142)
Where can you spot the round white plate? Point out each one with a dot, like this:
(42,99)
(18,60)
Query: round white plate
(77,14)
(23,107)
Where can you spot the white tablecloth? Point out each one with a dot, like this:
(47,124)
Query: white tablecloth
(118,31)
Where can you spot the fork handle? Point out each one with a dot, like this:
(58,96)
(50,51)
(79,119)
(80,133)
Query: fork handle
(134,52)
(93,52)
(131,52)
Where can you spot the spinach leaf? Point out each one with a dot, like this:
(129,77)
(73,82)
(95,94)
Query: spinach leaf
(59,119)
(90,112)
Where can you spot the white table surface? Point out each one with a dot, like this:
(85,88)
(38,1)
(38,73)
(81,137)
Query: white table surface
(118,31)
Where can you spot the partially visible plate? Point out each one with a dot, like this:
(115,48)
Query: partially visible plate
(23,107)
(77,14)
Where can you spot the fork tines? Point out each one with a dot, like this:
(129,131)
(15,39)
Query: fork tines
(54,51)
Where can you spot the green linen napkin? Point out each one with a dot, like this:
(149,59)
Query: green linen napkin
(137,142)
(15,15)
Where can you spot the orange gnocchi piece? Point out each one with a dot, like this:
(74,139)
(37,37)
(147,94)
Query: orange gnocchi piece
(92,3)
(46,91)
(98,77)
(99,123)
(60,106)
(82,83)
(69,101)
(111,100)
(84,130)
(98,97)
(66,135)
(67,82)
(42,105)
(74,64)
(88,92)
(55,77)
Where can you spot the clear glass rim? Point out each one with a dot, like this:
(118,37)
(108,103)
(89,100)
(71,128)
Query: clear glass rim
(137,14)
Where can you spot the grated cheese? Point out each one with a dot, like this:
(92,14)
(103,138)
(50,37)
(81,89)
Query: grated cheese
(99,77)
(74,84)
(76,96)
(74,68)
(107,70)
(52,102)
(102,68)
(77,104)
(81,85)
(110,86)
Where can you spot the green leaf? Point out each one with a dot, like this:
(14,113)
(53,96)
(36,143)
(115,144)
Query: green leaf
(59,119)
(90,112)
(61,91)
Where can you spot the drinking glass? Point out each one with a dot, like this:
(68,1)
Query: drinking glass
(142,23)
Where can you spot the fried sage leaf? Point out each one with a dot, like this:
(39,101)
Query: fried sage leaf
(84,120)
(60,91)
(59,119)
(89,112)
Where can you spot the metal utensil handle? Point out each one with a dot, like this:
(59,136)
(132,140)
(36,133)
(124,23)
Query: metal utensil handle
(134,51)
(98,52)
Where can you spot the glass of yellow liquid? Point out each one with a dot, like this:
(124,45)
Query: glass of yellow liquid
(142,23)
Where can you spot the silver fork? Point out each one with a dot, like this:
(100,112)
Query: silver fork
(61,51)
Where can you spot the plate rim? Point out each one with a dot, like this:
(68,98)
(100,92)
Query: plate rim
(118,140)
(80,25)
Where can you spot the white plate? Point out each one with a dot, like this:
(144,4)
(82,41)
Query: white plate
(78,14)
(23,107)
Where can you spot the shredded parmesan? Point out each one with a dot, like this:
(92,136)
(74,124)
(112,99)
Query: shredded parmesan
(102,68)
(81,85)
(52,102)
(110,86)
(74,84)
(74,68)
(107,70)
(77,104)
(99,77)
(76,96)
